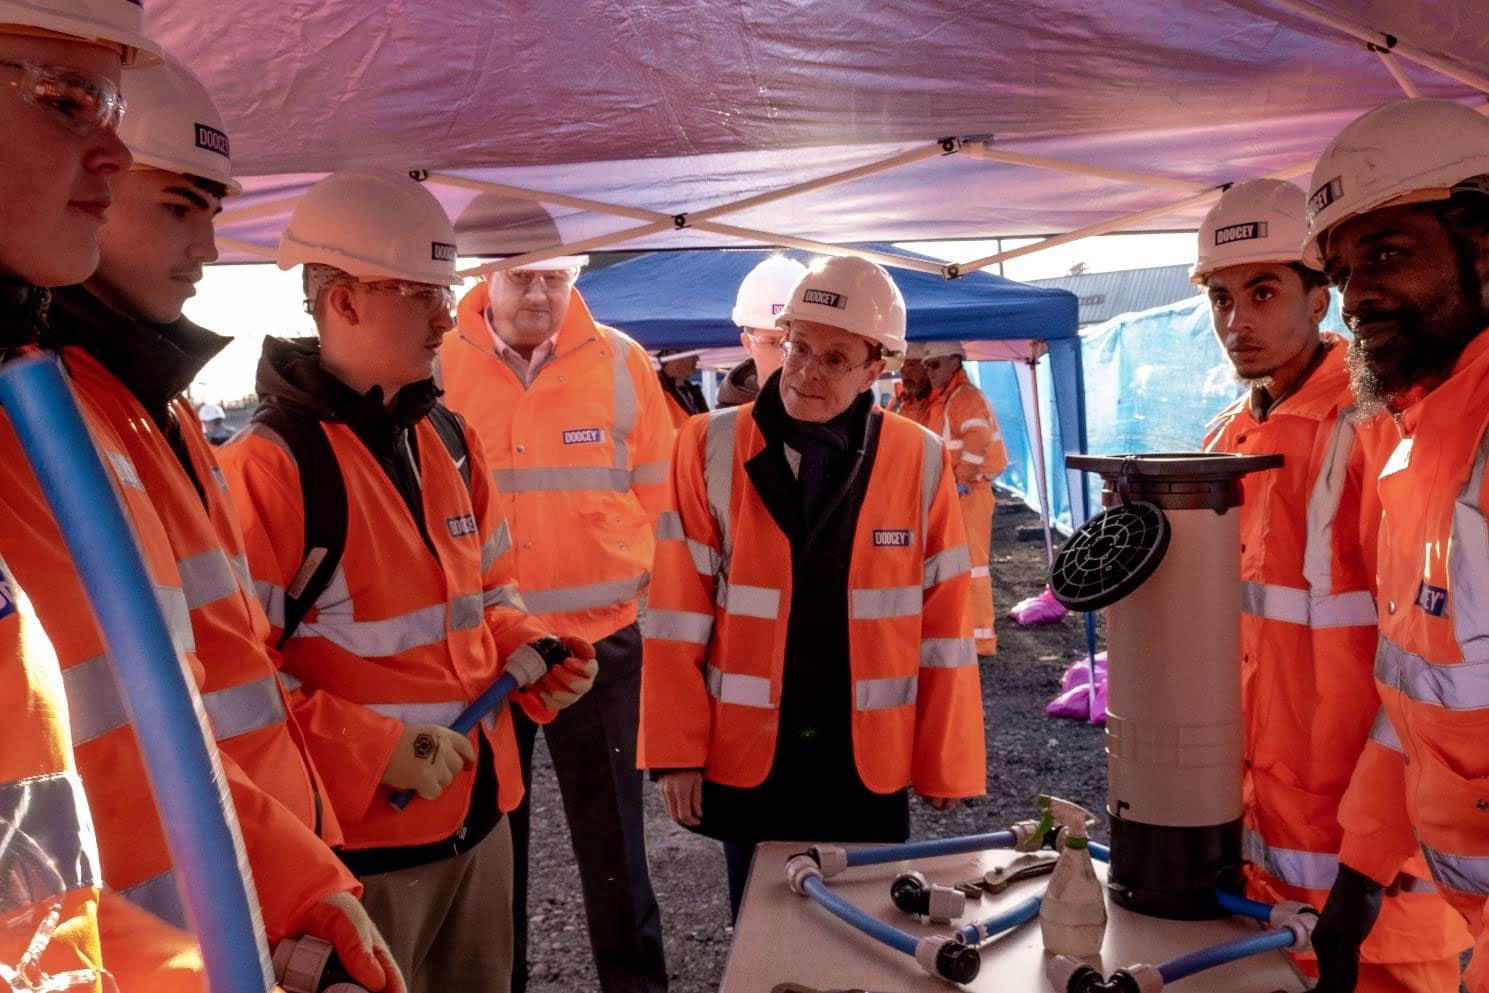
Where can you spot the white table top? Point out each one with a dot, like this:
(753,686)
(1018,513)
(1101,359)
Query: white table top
(782,937)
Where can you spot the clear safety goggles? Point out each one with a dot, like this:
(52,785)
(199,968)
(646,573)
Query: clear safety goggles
(429,296)
(833,363)
(551,280)
(82,102)
(765,339)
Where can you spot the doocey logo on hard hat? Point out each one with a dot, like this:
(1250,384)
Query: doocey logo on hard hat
(1323,196)
(211,139)
(1240,232)
(441,251)
(824,298)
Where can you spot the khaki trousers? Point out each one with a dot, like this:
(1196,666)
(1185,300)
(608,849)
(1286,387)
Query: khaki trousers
(449,923)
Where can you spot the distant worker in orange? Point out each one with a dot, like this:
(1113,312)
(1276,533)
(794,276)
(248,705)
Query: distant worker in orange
(809,659)
(675,375)
(961,415)
(912,394)
(1308,620)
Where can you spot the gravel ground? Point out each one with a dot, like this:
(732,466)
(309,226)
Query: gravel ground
(1028,753)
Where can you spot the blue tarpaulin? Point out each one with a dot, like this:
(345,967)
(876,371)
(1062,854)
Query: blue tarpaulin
(684,300)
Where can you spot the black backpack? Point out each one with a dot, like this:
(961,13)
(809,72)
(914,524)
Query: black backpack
(323,493)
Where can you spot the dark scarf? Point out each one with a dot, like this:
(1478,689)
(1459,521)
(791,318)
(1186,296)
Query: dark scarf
(23,309)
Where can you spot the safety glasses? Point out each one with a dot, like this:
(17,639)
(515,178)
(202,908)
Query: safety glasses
(81,102)
(552,280)
(425,295)
(833,363)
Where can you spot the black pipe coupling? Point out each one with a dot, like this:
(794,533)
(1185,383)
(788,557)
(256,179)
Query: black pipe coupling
(949,958)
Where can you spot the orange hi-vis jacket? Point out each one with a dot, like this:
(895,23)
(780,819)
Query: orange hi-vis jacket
(47,848)
(716,628)
(1423,781)
(401,634)
(579,458)
(292,868)
(969,431)
(241,690)
(1307,639)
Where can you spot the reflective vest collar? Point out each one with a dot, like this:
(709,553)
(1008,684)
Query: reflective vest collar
(578,330)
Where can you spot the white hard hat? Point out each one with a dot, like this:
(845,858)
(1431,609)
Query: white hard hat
(118,22)
(1410,151)
(1263,220)
(917,350)
(557,262)
(853,294)
(173,124)
(372,224)
(764,291)
(944,349)
(211,412)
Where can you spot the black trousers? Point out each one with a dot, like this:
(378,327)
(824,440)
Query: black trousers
(593,745)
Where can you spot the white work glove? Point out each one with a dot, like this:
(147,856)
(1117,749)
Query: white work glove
(682,793)
(426,758)
(341,920)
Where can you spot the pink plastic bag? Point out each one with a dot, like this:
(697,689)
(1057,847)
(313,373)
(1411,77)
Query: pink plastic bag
(1040,609)
(1074,697)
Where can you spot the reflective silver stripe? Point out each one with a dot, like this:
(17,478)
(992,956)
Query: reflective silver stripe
(207,578)
(930,479)
(124,470)
(650,473)
(1456,686)
(1294,606)
(47,840)
(893,601)
(718,476)
(565,599)
(752,601)
(160,897)
(980,572)
(1383,732)
(1326,607)
(243,572)
(982,633)
(971,459)
(504,596)
(884,694)
(498,544)
(561,479)
(95,705)
(739,689)
(442,712)
(466,611)
(947,653)
(1468,563)
(625,400)
(271,598)
(669,527)
(1310,870)
(1464,873)
(220,478)
(241,709)
(946,564)
(177,616)
(975,422)
(677,625)
(705,560)
(336,622)
(954,444)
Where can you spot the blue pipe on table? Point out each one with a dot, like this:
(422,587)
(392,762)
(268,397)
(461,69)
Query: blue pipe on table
(167,716)
(1230,951)
(1235,903)
(1098,851)
(472,715)
(980,931)
(929,849)
(888,934)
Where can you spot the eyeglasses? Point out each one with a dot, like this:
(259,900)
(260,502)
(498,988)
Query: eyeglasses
(834,363)
(553,280)
(84,103)
(773,342)
(426,295)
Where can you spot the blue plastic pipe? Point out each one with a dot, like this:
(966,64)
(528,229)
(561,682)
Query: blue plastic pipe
(930,849)
(844,911)
(1023,913)
(1098,851)
(1235,903)
(1230,951)
(183,768)
(472,715)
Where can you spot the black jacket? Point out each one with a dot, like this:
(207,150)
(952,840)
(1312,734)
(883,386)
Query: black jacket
(155,362)
(813,791)
(23,309)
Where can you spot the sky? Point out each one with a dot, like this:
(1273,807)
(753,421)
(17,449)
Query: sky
(247,302)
